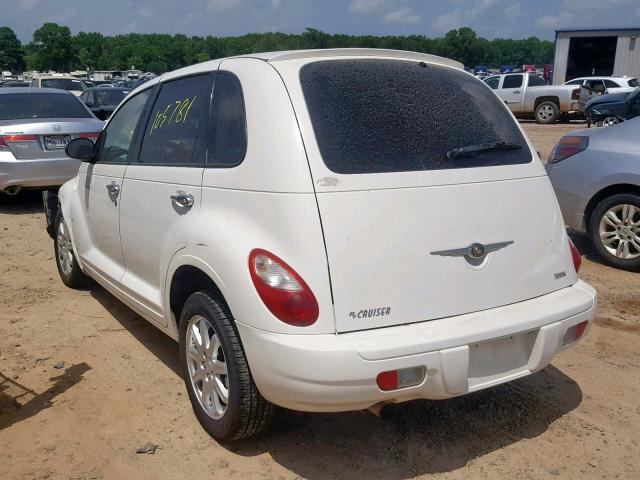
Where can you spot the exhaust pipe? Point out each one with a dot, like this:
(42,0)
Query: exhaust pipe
(13,190)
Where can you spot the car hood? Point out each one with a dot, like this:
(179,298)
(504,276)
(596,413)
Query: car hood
(610,98)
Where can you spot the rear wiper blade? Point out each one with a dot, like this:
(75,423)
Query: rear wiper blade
(481,147)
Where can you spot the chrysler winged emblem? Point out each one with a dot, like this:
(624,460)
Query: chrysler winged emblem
(474,253)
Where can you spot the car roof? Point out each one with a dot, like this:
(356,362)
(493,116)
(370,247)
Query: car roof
(33,90)
(285,55)
(108,89)
(604,77)
(56,77)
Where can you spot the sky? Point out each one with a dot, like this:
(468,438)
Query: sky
(489,18)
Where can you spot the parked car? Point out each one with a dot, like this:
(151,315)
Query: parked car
(313,228)
(527,94)
(596,176)
(103,101)
(613,108)
(35,128)
(604,85)
(70,84)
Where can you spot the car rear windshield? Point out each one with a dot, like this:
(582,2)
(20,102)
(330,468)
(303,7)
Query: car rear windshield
(634,82)
(63,84)
(374,116)
(110,96)
(41,105)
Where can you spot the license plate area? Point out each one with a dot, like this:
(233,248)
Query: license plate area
(56,142)
(500,359)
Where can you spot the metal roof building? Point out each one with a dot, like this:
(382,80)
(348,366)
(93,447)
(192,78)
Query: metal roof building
(602,51)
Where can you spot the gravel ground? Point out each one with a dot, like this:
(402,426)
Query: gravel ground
(120,389)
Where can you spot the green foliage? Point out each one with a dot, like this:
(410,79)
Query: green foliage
(11,53)
(54,48)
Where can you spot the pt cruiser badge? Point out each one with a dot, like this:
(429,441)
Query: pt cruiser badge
(475,253)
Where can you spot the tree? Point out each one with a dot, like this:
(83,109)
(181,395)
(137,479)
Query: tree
(11,53)
(51,48)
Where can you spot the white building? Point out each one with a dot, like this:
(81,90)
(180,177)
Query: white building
(587,52)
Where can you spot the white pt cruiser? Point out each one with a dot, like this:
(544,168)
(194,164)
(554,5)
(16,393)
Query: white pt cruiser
(325,231)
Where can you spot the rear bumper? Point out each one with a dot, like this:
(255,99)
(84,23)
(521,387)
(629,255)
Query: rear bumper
(37,173)
(338,372)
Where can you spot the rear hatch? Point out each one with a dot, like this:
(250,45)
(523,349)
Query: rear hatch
(411,233)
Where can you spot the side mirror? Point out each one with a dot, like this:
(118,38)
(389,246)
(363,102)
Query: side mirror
(80,149)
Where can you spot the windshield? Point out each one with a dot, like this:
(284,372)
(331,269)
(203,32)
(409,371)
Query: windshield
(63,84)
(16,106)
(109,96)
(373,116)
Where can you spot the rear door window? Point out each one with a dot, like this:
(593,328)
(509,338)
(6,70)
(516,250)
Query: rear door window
(512,81)
(173,129)
(634,83)
(611,84)
(375,115)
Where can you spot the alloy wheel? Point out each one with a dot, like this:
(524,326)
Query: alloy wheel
(619,231)
(610,121)
(207,367)
(65,248)
(546,112)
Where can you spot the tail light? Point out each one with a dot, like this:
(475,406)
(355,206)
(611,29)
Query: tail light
(574,333)
(89,135)
(567,147)
(282,290)
(6,139)
(402,378)
(575,94)
(575,255)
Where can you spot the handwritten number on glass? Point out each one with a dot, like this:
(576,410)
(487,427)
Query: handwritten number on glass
(174,114)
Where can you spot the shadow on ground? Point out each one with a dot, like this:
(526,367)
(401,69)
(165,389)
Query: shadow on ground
(12,407)
(586,248)
(415,438)
(162,346)
(27,201)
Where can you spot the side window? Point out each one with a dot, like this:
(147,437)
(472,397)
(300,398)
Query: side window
(512,81)
(536,81)
(575,82)
(611,84)
(227,137)
(595,85)
(116,139)
(493,82)
(171,134)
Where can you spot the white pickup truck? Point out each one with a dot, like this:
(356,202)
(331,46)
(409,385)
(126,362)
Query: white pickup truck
(527,94)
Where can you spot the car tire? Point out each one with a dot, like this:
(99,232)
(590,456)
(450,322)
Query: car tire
(615,222)
(70,272)
(608,121)
(547,112)
(221,364)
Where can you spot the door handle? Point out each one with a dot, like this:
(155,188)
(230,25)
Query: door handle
(113,189)
(183,200)
(516,91)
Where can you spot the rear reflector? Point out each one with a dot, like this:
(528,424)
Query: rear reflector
(282,290)
(19,138)
(91,135)
(575,256)
(574,333)
(402,378)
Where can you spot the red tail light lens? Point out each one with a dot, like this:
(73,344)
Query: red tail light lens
(3,144)
(19,138)
(575,255)
(282,290)
(567,147)
(90,135)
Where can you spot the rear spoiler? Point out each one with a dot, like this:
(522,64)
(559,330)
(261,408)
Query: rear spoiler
(51,205)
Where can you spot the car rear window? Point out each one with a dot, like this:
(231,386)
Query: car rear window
(63,84)
(374,116)
(109,96)
(41,105)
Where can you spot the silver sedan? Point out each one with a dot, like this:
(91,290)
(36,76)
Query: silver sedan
(35,127)
(596,176)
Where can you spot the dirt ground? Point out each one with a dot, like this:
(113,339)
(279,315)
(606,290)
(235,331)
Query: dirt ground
(120,388)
